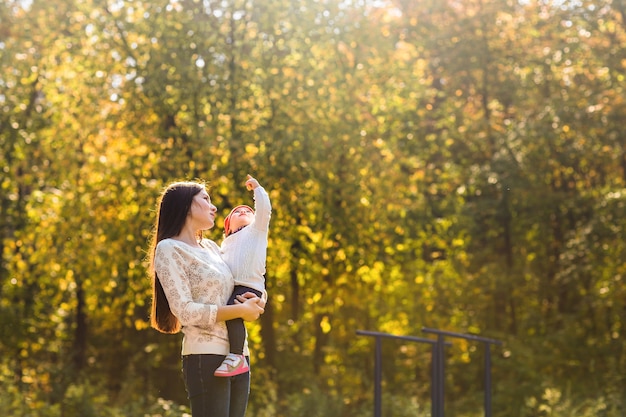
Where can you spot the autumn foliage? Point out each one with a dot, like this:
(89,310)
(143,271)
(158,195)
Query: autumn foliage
(450,164)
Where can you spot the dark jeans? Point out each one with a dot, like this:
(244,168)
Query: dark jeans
(236,327)
(213,396)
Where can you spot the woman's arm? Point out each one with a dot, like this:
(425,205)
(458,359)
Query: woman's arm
(248,310)
(169,265)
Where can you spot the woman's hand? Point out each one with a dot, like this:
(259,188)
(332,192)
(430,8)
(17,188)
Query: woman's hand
(248,295)
(253,306)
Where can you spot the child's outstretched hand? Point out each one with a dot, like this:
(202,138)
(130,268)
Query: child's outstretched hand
(251,183)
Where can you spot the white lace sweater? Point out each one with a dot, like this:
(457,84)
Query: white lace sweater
(245,251)
(196,281)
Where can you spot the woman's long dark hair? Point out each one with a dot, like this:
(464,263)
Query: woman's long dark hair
(173,208)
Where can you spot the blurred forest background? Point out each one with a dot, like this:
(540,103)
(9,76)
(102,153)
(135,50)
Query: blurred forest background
(454,164)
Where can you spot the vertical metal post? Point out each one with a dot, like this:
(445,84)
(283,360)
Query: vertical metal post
(378,376)
(434,380)
(487,380)
(441,378)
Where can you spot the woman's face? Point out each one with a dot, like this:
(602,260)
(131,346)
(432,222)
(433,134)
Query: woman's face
(202,211)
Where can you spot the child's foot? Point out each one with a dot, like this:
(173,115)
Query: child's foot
(232,365)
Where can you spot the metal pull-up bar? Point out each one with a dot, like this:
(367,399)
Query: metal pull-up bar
(439,384)
(378,367)
(437,366)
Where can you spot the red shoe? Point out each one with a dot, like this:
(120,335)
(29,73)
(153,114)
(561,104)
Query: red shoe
(232,365)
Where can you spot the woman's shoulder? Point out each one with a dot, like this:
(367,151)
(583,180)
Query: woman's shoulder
(209,244)
(171,243)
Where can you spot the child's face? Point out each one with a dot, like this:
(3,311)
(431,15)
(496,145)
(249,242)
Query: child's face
(242,216)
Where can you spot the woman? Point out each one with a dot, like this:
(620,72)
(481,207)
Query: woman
(191,286)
